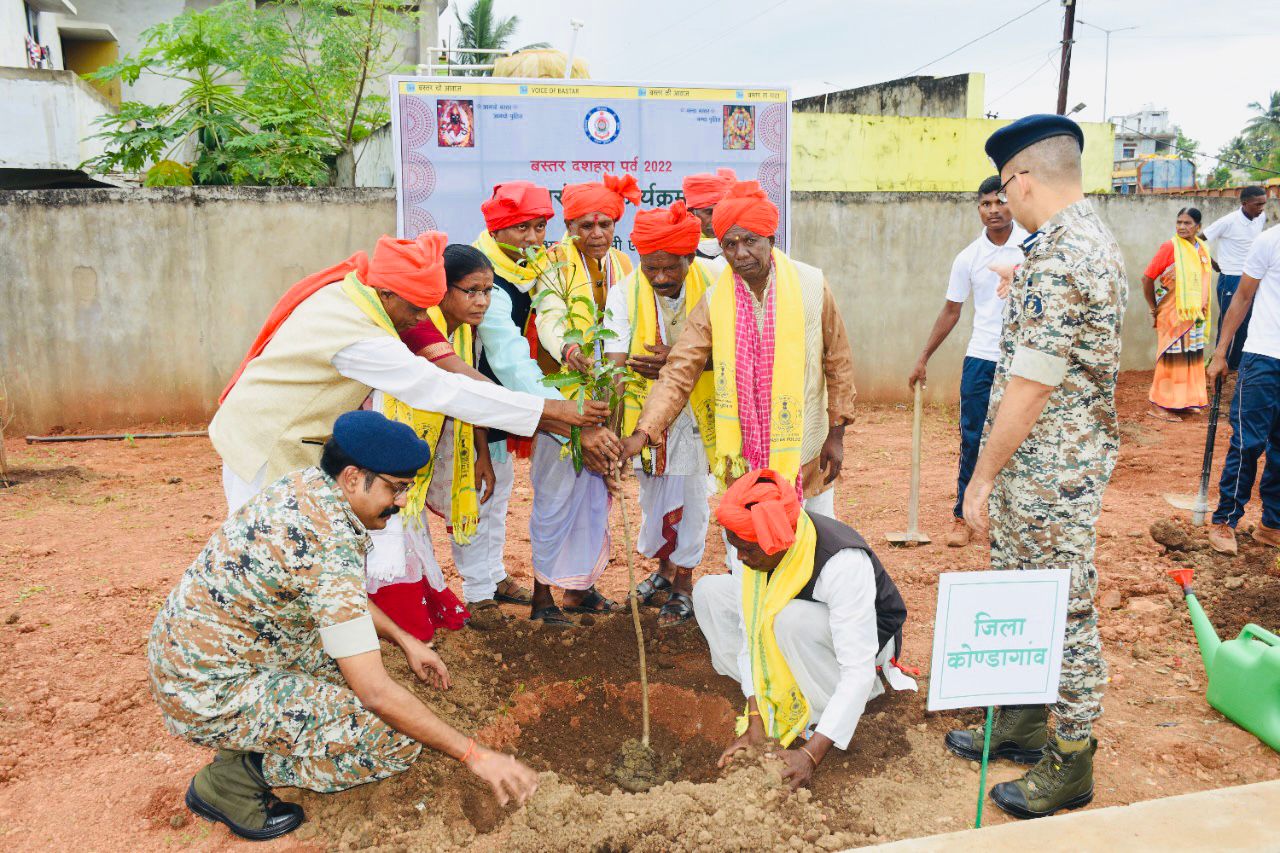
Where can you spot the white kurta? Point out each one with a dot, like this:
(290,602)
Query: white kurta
(830,644)
(385,364)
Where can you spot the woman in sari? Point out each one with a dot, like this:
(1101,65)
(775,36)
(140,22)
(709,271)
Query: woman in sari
(1176,284)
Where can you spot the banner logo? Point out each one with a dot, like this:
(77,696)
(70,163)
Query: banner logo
(601,125)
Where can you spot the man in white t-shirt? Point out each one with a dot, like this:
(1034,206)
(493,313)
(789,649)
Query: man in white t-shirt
(999,244)
(1255,406)
(1233,236)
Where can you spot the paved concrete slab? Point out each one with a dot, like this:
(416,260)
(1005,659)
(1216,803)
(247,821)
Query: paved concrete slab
(1243,818)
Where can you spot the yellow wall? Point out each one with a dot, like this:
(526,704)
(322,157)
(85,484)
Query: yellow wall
(84,57)
(858,153)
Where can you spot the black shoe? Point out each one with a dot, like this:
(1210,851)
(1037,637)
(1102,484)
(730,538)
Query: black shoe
(236,794)
(1018,733)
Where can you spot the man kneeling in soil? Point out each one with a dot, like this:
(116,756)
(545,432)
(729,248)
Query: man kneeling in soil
(805,630)
(267,650)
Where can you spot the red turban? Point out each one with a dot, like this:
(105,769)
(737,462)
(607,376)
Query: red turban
(672,229)
(515,202)
(705,189)
(609,197)
(411,269)
(761,507)
(747,205)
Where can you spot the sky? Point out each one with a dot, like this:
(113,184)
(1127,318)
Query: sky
(1203,61)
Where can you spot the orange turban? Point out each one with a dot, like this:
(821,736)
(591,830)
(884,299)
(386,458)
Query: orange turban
(672,229)
(747,205)
(761,507)
(705,189)
(411,269)
(609,197)
(515,202)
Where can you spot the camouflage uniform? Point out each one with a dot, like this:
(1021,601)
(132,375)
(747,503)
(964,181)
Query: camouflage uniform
(236,653)
(1062,328)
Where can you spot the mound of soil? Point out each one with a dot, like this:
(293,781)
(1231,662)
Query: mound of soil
(1242,589)
(568,702)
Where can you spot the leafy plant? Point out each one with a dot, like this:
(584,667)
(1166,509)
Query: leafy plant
(584,326)
(272,93)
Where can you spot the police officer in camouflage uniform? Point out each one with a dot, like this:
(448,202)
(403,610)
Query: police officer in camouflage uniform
(1050,445)
(267,649)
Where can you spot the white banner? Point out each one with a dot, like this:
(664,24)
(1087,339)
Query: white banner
(997,638)
(456,137)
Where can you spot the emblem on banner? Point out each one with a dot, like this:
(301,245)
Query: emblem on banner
(601,125)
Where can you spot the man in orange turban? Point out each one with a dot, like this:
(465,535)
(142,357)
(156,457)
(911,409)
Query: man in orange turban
(330,340)
(702,192)
(515,218)
(591,212)
(570,535)
(646,313)
(804,628)
(784,370)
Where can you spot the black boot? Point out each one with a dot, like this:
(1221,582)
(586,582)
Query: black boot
(1061,780)
(1018,733)
(232,790)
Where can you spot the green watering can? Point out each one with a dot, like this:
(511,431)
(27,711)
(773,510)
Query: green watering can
(1244,673)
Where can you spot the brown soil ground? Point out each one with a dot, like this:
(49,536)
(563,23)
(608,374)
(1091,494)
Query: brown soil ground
(92,537)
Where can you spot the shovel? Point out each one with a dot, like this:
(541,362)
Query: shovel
(1198,503)
(912,535)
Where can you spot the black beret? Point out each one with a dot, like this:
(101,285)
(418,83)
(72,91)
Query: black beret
(380,445)
(1027,131)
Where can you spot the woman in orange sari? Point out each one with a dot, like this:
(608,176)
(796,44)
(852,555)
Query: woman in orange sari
(1176,284)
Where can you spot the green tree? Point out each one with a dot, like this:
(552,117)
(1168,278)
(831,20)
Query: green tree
(481,28)
(1219,177)
(274,93)
(1265,125)
(1186,146)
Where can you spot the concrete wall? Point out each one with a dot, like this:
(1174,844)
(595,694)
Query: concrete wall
(55,111)
(888,256)
(957,96)
(859,153)
(125,306)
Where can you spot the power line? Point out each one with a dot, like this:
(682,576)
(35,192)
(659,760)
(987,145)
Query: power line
(674,27)
(1189,153)
(1048,59)
(978,39)
(727,32)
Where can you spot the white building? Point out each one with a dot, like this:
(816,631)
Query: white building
(1147,131)
(47,109)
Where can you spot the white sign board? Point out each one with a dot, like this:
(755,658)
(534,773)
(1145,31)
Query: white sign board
(456,137)
(997,638)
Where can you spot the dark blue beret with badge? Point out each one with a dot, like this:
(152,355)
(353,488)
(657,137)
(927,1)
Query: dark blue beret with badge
(1027,131)
(380,445)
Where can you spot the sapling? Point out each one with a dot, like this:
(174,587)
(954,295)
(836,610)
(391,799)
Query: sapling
(583,325)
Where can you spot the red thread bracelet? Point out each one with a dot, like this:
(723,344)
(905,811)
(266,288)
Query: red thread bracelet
(470,751)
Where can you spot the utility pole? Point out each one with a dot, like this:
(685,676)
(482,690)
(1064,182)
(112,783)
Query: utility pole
(1064,69)
(1106,68)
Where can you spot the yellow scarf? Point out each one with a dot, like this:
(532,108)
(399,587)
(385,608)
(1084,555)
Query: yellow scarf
(783,708)
(617,266)
(522,276)
(786,421)
(1192,269)
(643,310)
(464,503)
